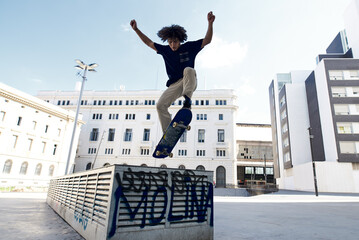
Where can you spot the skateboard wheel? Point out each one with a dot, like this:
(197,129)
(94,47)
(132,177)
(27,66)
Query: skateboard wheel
(158,153)
(174,124)
(170,155)
(188,127)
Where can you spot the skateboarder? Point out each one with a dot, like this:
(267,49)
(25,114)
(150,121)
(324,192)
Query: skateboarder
(179,60)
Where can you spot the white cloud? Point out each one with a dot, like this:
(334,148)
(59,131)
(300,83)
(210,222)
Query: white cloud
(126,27)
(220,53)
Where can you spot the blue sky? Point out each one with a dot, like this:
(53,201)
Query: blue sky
(253,40)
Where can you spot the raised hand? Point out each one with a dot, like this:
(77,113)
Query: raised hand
(210,17)
(133,24)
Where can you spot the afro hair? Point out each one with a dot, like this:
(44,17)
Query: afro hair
(173,31)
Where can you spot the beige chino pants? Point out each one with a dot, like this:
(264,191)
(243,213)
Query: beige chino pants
(185,86)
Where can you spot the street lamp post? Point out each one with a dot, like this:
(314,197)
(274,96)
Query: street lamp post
(313,162)
(85,68)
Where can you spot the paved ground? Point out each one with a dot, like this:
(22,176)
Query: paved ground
(282,215)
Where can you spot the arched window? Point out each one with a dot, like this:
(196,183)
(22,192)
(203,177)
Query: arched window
(51,170)
(88,166)
(200,168)
(7,167)
(144,165)
(163,166)
(38,169)
(182,167)
(106,164)
(23,169)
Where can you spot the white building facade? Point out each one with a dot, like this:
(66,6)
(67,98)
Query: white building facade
(122,127)
(34,140)
(315,118)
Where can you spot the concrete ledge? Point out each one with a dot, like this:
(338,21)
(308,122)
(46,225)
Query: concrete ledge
(238,192)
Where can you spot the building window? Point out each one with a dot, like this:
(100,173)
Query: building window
(34,123)
(111,134)
(259,170)
(163,166)
(249,170)
(286,157)
(201,153)
(113,116)
(341,109)
(88,166)
(336,75)
(354,74)
(201,116)
(43,147)
(128,135)
(283,115)
(38,169)
(269,171)
(221,102)
(285,128)
(183,138)
(130,116)
(14,140)
(182,152)
(347,147)
(92,151)
(282,101)
(19,121)
(148,116)
(146,135)
(51,170)
(55,148)
(145,151)
(94,134)
(7,167)
(97,116)
(220,135)
(181,167)
(220,116)
(221,153)
(46,128)
(109,151)
(200,168)
(347,127)
(339,92)
(30,144)
(126,151)
(149,102)
(2,115)
(23,169)
(201,135)
(285,142)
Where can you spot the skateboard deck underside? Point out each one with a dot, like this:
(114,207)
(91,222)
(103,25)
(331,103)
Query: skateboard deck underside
(173,134)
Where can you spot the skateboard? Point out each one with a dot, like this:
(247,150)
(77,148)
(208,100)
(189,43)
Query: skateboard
(174,131)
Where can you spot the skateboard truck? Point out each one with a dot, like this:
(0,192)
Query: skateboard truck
(158,153)
(175,124)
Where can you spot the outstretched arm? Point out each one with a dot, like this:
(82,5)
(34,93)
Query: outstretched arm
(208,38)
(142,36)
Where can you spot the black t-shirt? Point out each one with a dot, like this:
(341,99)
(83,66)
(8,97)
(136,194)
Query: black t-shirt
(177,61)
